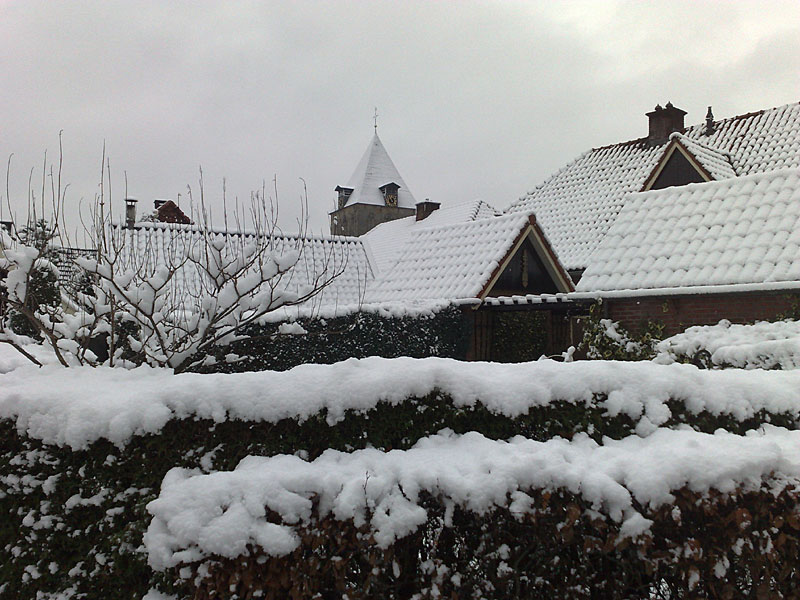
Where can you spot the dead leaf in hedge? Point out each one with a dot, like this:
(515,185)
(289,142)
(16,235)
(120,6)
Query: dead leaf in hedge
(763,592)
(742,517)
(573,512)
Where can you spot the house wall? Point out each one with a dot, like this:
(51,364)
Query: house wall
(679,312)
(358,219)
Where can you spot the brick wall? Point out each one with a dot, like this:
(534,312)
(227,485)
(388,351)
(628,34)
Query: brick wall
(679,312)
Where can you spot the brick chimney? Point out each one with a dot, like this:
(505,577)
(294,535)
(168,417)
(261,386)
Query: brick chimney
(663,122)
(424,209)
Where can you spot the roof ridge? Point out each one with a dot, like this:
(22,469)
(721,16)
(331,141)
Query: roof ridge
(191,227)
(726,119)
(684,139)
(506,217)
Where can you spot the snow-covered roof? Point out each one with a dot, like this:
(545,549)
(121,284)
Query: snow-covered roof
(374,170)
(449,261)
(148,245)
(577,205)
(741,230)
(452,255)
(385,241)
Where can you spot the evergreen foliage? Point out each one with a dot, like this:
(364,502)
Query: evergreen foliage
(605,339)
(444,333)
(75,519)
(42,290)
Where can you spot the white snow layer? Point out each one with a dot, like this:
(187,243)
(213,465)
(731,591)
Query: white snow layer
(77,406)
(762,345)
(743,230)
(196,515)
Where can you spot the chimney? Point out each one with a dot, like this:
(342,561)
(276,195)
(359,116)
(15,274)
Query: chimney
(159,203)
(130,212)
(709,122)
(663,122)
(424,209)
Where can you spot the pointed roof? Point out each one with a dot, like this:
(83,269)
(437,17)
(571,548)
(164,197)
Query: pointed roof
(374,170)
(711,163)
(461,260)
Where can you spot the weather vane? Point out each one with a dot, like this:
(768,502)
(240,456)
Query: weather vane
(375,118)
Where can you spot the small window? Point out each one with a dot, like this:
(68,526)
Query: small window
(390,193)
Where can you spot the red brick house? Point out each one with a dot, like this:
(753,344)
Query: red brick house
(685,226)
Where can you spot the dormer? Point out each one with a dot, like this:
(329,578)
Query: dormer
(686,161)
(344,195)
(389,191)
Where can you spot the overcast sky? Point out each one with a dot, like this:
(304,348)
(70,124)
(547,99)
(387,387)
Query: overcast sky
(476,99)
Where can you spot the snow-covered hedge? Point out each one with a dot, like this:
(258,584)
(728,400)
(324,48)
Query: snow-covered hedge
(440,518)
(84,450)
(76,407)
(435,329)
(762,345)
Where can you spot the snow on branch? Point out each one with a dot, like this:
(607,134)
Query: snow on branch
(165,294)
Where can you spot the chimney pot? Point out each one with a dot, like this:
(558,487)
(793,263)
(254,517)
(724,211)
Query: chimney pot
(709,122)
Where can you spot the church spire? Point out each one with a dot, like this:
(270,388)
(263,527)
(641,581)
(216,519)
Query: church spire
(375,192)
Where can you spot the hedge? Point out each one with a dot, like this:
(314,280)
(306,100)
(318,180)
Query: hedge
(76,518)
(743,544)
(442,332)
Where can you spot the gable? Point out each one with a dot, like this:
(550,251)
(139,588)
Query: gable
(525,273)
(529,268)
(676,170)
(463,260)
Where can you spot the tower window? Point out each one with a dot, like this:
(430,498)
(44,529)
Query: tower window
(390,193)
(344,195)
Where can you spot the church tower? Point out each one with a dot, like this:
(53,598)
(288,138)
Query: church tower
(374,194)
